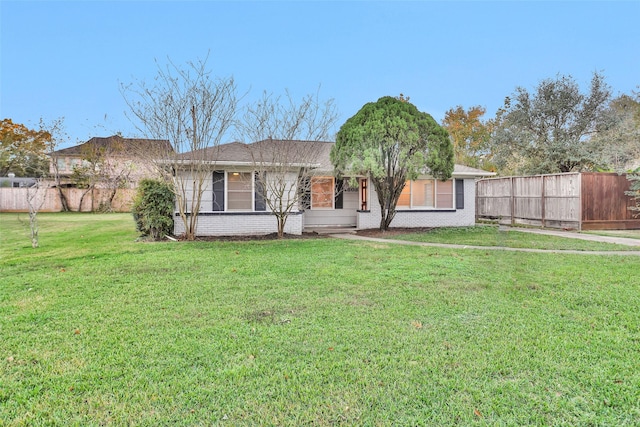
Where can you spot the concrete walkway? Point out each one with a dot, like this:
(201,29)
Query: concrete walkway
(566,234)
(575,235)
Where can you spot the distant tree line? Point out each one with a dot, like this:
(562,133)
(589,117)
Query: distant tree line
(557,127)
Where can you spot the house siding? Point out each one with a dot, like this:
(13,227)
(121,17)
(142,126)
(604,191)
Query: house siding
(243,219)
(345,217)
(239,224)
(228,223)
(422,218)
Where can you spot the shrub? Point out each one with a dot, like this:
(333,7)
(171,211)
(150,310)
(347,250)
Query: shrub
(153,208)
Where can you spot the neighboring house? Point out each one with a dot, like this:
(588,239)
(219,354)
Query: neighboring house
(17,182)
(232,204)
(111,158)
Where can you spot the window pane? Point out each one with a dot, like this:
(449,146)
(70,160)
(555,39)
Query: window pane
(322,192)
(422,193)
(363,194)
(444,198)
(405,196)
(239,181)
(239,201)
(239,191)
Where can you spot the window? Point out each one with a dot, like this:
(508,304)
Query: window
(422,192)
(405,197)
(62,164)
(239,191)
(363,194)
(427,194)
(236,191)
(322,192)
(444,197)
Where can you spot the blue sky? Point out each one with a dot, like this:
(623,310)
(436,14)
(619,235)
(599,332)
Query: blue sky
(66,59)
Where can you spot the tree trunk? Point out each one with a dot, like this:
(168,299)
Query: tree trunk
(189,227)
(82,200)
(108,206)
(387,216)
(33,225)
(63,199)
(193,223)
(383,221)
(281,223)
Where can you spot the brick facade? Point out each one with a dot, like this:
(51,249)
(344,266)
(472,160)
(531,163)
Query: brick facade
(423,218)
(240,224)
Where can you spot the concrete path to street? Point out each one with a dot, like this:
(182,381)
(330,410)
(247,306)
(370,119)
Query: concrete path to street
(575,235)
(566,234)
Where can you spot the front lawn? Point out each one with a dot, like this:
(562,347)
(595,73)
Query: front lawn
(96,329)
(487,235)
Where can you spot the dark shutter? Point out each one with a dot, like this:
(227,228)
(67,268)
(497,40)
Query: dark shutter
(337,196)
(459,194)
(304,193)
(260,203)
(218,190)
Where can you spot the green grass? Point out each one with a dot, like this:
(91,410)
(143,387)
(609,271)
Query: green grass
(631,234)
(96,329)
(493,236)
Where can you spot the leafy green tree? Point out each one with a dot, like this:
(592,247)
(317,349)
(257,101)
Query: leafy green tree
(470,135)
(22,150)
(549,131)
(153,207)
(618,141)
(630,108)
(391,141)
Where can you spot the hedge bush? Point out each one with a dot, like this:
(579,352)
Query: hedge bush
(153,208)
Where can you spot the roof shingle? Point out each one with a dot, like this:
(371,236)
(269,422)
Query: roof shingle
(116,145)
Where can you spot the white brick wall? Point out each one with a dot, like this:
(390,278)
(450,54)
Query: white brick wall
(409,219)
(228,223)
(233,224)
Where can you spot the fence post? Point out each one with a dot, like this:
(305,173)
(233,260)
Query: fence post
(512,203)
(542,201)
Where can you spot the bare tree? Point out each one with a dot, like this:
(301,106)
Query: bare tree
(193,111)
(56,131)
(35,199)
(289,137)
(36,194)
(103,166)
(117,179)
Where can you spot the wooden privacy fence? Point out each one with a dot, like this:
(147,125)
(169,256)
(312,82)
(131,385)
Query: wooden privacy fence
(583,201)
(15,199)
